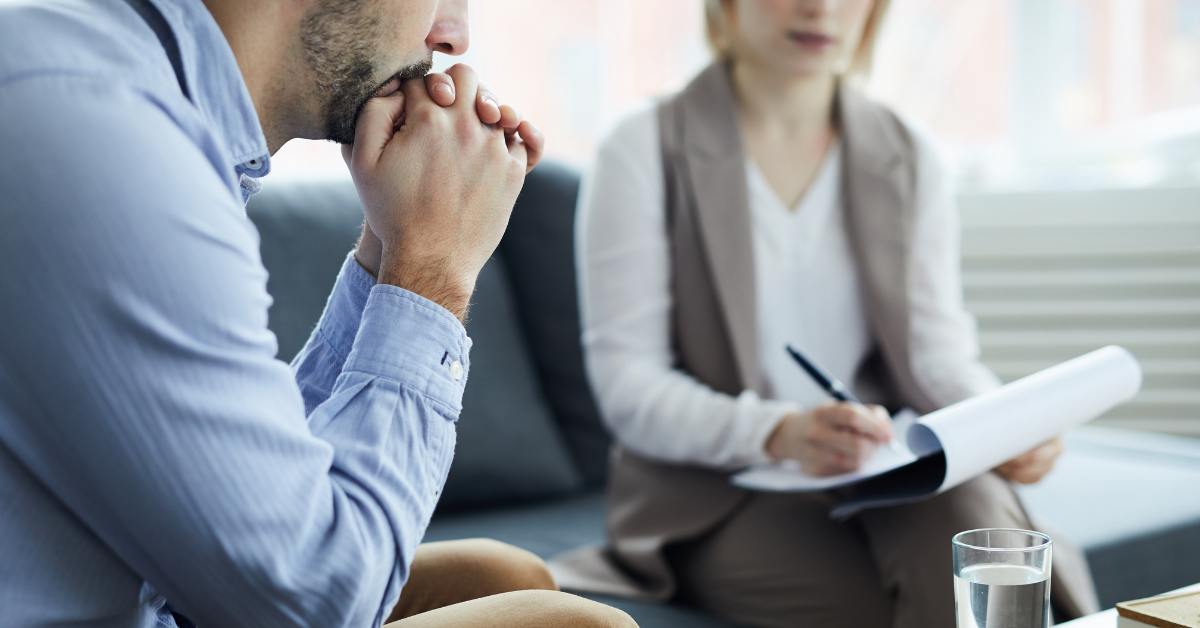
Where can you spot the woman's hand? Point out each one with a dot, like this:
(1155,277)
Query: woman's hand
(1031,466)
(831,438)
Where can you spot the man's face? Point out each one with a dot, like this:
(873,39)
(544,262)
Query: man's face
(361,48)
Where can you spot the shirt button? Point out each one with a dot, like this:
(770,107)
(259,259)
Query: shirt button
(456,370)
(253,164)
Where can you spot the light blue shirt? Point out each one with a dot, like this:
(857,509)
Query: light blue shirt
(152,449)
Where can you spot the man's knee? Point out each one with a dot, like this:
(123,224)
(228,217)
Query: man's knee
(493,567)
(554,608)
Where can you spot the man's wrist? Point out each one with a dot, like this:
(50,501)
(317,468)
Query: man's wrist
(368,252)
(435,286)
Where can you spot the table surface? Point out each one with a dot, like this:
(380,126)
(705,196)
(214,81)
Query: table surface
(1108,618)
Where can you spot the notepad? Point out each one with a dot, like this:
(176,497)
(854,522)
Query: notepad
(950,446)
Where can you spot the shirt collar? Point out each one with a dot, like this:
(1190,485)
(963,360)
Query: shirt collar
(217,87)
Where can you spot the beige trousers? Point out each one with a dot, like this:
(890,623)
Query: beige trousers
(781,562)
(479,583)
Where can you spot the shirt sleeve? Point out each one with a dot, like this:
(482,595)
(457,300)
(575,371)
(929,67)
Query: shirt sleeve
(652,407)
(138,382)
(943,334)
(319,363)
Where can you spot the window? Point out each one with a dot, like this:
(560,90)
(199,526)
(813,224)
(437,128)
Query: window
(1021,93)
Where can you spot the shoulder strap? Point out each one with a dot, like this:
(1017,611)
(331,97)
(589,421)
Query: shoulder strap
(157,23)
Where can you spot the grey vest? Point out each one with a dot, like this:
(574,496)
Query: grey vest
(714,323)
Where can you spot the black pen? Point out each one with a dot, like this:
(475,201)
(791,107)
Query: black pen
(831,384)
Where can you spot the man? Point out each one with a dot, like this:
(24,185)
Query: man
(157,464)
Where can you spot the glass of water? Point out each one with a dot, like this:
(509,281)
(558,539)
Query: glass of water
(1002,578)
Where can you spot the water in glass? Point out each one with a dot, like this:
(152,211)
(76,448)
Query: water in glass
(1002,596)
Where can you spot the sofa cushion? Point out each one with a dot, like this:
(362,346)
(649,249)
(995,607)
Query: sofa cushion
(509,446)
(539,248)
(305,231)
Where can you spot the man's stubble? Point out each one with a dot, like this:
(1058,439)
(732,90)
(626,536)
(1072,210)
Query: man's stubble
(340,40)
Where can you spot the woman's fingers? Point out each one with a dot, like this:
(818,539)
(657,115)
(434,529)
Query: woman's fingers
(440,87)
(1031,466)
(869,422)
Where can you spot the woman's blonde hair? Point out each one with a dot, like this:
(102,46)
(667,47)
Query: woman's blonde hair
(717,32)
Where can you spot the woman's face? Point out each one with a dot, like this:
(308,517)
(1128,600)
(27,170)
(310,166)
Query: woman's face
(801,38)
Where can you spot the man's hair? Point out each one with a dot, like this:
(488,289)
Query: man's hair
(340,40)
(716,29)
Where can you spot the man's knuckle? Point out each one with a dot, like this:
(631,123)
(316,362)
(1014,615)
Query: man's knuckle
(424,114)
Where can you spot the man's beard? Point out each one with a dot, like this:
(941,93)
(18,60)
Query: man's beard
(340,38)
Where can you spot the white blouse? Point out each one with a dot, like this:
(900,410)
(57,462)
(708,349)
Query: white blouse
(808,295)
(807,290)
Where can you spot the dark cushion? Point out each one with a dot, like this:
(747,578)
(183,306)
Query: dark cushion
(509,446)
(539,248)
(306,230)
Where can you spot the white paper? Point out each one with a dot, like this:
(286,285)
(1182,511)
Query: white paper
(981,433)
(985,431)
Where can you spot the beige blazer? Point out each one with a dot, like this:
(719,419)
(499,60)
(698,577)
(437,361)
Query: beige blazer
(714,323)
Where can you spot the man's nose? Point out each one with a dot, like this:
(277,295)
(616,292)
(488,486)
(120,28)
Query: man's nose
(450,34)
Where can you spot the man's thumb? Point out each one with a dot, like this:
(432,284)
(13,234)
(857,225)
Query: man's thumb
(376,125)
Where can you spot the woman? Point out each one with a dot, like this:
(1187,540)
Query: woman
(770,203)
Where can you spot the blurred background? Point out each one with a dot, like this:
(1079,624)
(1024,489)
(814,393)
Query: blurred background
(1072,126)
(1022,93)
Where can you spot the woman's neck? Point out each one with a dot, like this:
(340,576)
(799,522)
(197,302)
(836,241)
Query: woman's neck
(784,106)
(787,126)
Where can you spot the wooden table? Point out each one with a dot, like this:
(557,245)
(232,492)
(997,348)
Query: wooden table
(1108,618)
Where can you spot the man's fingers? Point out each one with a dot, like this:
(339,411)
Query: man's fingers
(375,128)
(466,87)
(535,144)
(510,118)
(416,94)
(488,107)
(440,87)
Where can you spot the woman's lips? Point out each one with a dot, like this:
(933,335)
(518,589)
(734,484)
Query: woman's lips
(816,42)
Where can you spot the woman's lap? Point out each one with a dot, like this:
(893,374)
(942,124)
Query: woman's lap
(780,560)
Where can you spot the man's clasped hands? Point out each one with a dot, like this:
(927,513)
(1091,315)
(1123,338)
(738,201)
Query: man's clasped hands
(438,163)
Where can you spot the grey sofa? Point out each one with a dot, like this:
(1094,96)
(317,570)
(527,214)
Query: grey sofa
(530,463)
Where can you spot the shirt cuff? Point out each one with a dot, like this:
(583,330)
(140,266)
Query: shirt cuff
(770,414)
(343,313)
(414,341)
